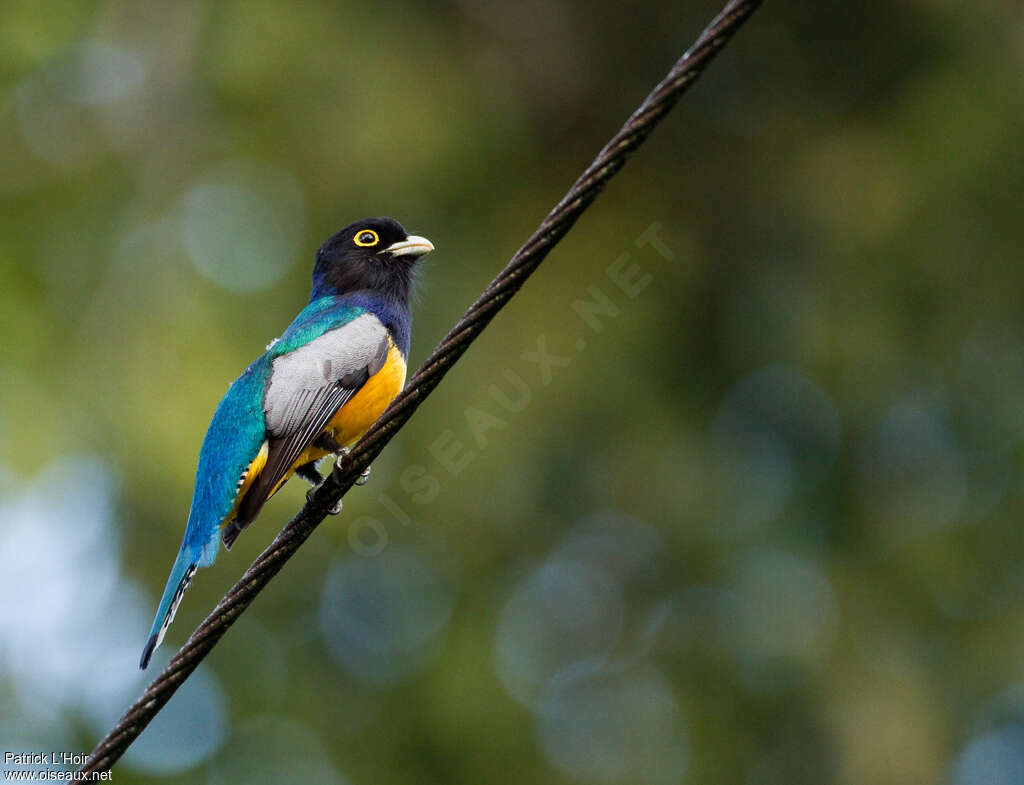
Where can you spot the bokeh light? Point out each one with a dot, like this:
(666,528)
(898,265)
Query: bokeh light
(243,224)
(383,619)
(71,536)
(776,432)
(274,749)
(188,731)
(561,612)
(785,618)
(915,477)
(614,722)
(996,758)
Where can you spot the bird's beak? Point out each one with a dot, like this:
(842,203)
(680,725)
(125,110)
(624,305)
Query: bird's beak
(411,246)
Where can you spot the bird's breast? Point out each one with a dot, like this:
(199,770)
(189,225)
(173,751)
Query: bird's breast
(355,417)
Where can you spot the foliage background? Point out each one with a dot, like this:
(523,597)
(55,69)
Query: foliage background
(761,528)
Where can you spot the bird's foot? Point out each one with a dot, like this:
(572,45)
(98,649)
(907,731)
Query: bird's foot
(312,492)
(309,472)
(339,463)
(340,455)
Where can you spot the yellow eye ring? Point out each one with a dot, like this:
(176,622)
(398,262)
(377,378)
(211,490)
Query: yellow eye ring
(366,238)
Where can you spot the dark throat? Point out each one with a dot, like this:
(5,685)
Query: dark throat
(383,291)
(391,281)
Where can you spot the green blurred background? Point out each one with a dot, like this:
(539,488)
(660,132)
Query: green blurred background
(761,527)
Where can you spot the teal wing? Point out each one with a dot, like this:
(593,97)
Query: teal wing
(307,387)
(234,438)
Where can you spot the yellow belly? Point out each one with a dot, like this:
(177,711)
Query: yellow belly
(355,417)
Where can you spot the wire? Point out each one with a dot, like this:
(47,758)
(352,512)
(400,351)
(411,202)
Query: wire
(553,228)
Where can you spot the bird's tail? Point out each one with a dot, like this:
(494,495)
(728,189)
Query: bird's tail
(181,575)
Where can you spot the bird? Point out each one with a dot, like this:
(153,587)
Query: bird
(313,392)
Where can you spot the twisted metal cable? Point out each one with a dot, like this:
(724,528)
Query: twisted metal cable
(553,228)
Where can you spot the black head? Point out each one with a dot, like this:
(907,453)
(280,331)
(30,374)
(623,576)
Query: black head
(373,255)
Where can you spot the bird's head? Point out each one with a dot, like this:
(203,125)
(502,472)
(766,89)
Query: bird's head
(375,255)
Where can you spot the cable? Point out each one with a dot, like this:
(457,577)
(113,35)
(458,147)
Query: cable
(552,229)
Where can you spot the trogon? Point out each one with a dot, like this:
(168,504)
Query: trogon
(314,391)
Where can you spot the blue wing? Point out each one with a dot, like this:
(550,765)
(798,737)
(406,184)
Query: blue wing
(234,438)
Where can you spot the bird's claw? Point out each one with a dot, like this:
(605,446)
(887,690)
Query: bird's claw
(339,457)
(333,510)
(339,463)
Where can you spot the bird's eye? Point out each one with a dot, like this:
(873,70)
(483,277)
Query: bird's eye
(366,238)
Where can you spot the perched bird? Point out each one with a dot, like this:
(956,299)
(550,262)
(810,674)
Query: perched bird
(314,391)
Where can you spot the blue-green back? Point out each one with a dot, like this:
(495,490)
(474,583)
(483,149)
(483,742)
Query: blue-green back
(238,428)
